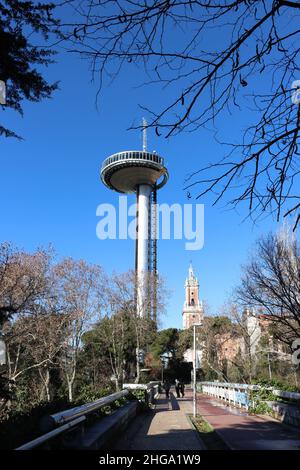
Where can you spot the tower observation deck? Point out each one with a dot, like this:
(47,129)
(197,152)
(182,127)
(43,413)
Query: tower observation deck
(143,173)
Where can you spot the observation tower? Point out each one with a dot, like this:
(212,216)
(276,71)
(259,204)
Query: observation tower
(143,173)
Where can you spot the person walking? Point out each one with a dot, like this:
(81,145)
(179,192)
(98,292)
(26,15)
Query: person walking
(167,387)
(181,388)
(177,384)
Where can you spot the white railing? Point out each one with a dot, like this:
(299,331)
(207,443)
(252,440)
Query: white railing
(232,393)
(152,389)
(239,394)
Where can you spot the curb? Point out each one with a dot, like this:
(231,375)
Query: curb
(230,447)
(197,432)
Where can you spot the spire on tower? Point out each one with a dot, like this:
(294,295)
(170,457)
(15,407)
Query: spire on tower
(191,271)
(144,135)
(192,309)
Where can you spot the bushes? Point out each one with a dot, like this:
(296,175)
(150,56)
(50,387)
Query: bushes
(261,408)
(89,393)
(142,396)
(21,427)
(277,384)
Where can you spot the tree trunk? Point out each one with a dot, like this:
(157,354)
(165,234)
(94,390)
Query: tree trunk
(117,384)
(137,379)
(70,390)
(47,383)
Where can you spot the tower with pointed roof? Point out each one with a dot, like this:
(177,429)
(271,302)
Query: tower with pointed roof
(193,309)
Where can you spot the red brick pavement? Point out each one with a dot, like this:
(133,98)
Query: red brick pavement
(243,431)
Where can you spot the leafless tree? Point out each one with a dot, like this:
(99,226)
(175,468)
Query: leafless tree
(23,280)
(127,322)
(215,335)
(79,290)
(215,56)
(247,327)
(34,343)
(271,281)
(114,334)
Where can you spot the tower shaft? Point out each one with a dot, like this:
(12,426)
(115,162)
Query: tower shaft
(143,173)
(143,254)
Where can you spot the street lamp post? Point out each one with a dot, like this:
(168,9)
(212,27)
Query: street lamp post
(163,363)
(194,370)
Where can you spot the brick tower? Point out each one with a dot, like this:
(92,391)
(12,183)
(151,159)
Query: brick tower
(193,308)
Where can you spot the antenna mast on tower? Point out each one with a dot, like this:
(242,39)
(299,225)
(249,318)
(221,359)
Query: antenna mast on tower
(144,135)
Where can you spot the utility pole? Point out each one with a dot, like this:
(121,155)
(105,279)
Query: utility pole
(194,372)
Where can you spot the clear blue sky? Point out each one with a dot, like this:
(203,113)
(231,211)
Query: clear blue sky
(50,186)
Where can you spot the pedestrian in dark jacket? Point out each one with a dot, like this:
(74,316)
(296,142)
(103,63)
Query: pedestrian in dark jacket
(177,385)
(167,387)
(181,388)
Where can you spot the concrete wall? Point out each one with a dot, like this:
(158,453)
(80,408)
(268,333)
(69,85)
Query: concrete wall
(286,413)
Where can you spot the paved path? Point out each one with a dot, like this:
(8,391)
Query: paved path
(164,428)
(242,431)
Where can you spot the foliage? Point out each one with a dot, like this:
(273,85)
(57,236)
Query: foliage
(264,393)
(208,435)
(69,329)
(271,281)
(21,24)
(89,393)
(24,280)
(141,396)
(260,408)
(165,343)
(22,426)
(185,341)
(276,384)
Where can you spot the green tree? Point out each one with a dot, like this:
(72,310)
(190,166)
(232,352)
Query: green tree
(166,342)
(21,24)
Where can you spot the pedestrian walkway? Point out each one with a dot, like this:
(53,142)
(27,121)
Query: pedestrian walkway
(164,428)
(242,431)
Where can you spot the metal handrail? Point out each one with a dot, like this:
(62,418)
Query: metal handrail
(70,418)
(50,435)
(83,410)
